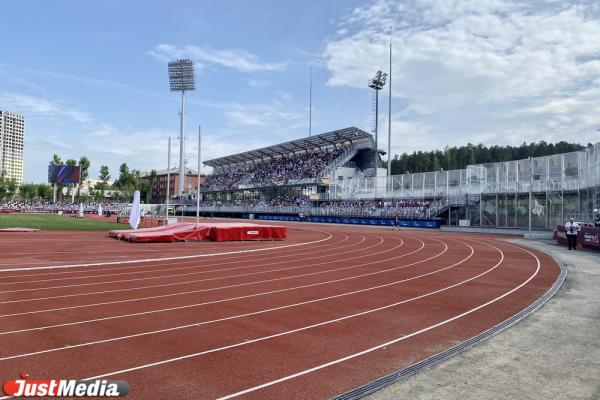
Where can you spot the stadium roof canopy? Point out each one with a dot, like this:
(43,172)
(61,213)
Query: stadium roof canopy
(324,139)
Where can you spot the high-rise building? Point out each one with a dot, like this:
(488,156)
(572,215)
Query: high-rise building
(12,132)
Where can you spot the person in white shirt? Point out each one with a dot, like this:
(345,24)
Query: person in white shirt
(572,227)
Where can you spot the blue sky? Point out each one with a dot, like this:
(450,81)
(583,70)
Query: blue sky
(90,76)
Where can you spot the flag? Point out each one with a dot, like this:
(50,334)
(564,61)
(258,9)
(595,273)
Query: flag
(134,216)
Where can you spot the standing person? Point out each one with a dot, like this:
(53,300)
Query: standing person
(397,222)
(572,227)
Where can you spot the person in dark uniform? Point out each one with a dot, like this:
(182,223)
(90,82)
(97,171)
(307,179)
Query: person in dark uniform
(397,222)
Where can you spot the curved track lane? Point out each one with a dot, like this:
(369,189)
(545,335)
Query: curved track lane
(332,308)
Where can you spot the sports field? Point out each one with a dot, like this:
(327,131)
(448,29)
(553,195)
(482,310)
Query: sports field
(331,309)
(53,222)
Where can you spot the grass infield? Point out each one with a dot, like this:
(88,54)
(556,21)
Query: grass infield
(53,222)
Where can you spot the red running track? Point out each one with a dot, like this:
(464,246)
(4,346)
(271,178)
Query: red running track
(330,309)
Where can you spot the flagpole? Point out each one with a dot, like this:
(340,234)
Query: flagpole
(389,166)
(168,180)
(310,104)
(198,184)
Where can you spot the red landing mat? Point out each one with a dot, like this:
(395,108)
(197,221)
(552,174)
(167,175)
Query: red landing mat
(218,232)
(221,232)
(125,233)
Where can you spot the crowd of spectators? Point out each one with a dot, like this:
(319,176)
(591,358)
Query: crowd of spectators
(372,208)
(290,201)
(410,208)
(378,208)
(33,207)
(278,201)
(299,203)
(225,180)
(276,171)
(280,171)
(390,209)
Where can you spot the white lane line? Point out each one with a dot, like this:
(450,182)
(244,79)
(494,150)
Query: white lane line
(246,314)
(147,260)
(182,282)
(209,246)
(231,260)
(82,260)
(132,269)
(388,343)
(214,289)
(96,252)
(136,254)
(265,338)
(170,284)
(80,285)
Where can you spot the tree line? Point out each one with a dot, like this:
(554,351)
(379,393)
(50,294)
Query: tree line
(122,189)
(459,157)
(419,161)
(131,180)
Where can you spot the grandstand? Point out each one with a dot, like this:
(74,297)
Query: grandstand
(332,175)
(304,163)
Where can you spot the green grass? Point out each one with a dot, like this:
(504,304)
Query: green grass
(54,223)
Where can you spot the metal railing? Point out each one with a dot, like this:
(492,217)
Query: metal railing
(560,172)
(339,161)
(359,212)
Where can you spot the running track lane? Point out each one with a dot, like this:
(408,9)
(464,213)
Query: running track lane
(298,342)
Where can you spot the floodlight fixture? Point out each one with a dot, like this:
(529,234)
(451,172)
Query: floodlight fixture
(181,75)
(181,79)
(377,83)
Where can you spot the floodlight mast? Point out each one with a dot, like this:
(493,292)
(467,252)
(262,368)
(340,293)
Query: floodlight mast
(181,79)
(389,155)
(377,83)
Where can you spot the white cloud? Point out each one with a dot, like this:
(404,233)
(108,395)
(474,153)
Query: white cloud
(239,60)
(456,53)
(272,116)
(14,78)
(497,71)
(102,83)
(56,126)
(103,130)
(258,83)
(42,107)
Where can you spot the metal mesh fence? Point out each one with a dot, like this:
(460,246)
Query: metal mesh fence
(497,194)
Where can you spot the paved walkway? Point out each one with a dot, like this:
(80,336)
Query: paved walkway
(552,354)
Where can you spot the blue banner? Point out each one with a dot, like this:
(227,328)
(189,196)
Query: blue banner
(408,223)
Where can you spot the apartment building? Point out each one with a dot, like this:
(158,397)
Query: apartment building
(12,132)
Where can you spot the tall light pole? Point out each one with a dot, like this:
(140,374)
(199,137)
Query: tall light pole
(199,162)
(389,163)
(181,79)
(377,83)
(168,181)
(310,104)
